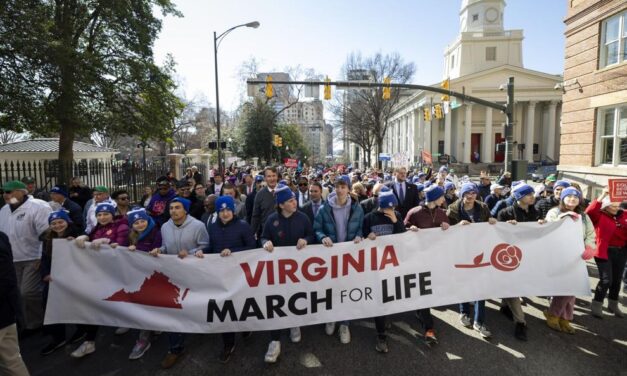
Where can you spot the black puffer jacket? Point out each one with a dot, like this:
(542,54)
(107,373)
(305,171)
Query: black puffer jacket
(9,293)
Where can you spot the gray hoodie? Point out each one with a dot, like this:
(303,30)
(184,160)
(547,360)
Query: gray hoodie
(341,215)
(191,236)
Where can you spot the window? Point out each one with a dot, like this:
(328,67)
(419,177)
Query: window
(614,40)
(452,61)
(490,53)
(475,17)
(613,135)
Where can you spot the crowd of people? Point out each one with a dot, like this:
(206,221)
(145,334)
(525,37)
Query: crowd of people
(279,207)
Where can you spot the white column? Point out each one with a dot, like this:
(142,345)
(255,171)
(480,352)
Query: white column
(447,132)
(426,143)
(550,147)
(488,138)
(529,131)
(467,132)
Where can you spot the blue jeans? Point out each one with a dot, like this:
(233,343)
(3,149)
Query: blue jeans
(479,310)
(176,342)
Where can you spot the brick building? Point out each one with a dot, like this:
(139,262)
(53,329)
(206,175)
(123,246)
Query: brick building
(594,111)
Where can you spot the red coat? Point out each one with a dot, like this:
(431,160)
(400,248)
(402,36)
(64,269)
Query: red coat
(116,232)
(609,232)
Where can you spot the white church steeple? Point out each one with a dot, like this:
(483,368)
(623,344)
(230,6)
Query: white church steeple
(483,43)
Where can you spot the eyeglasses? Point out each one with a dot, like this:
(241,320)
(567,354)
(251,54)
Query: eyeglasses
(302,184)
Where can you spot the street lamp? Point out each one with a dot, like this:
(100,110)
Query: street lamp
(216,42)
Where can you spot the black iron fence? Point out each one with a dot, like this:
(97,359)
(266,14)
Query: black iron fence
(130,176)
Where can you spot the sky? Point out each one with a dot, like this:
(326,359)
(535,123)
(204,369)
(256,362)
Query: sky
(320,34)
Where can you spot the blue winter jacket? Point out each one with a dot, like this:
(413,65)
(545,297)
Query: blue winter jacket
(236,235)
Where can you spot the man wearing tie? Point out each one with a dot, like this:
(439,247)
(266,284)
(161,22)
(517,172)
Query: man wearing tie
(302,194)
(315,202)
(264,203)
(405,192)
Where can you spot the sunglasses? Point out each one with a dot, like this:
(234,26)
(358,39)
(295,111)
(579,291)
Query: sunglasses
(123,198)
(303,184)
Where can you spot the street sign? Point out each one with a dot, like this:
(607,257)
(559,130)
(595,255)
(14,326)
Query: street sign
(290,162)
(618,189)
(384,157)
(454,105)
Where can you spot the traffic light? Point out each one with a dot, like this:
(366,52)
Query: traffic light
(445,85)
(279,141)
(386,89)
(327,89)
(427,113)
(437,111)
(275,140)
(269,91)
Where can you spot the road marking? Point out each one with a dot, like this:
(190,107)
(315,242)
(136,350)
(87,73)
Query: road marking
(309,360)
(453,356)
(587,351)
(515,353)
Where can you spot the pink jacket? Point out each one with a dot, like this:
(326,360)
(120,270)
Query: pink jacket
(116,232)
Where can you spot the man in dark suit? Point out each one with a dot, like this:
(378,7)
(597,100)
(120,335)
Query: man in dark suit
(264,204)
(11,362)
(250,197)
(216,187)
(302,193)
(406,193)
(59,195)
(315,201)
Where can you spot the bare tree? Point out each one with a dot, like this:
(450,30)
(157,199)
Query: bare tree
(365,111)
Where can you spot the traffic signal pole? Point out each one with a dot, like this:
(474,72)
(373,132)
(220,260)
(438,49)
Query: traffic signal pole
(508,108)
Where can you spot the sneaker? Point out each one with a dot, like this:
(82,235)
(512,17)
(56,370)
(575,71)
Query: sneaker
(77,337)
(140,348)
(329,328)
(505,310)
(520,331)
(482,329)
(382,345)
(226,353)
(345,334)
(85,348)
(170,360)
(52,347)
(274,350)
(465,320)
(430,336)
(120,331)
(295,335)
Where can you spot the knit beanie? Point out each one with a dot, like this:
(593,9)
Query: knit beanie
(570,191)
(522,190)
(136,215)
(448,185)
(59,190)
(386,198)
(344,179)
(561,183)
(443,169)
(105,207)
(186,203)
(283,193)
(434,193)
(467,188)
(494,187)
(59,214)
(420,187)
(225,202)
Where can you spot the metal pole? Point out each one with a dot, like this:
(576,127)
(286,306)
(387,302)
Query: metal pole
(215,54)
(509,125)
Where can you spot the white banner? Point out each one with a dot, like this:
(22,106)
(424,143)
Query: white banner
(257,290)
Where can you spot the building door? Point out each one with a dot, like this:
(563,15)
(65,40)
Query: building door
(499,150)
(475,147)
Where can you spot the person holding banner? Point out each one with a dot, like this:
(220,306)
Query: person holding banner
(465,211)
(106,231)
(522,210)
(181,235)
(229,234)
(560,312)
(341,220)
(287,227)
(429,215)
(144,236)
(385,220)
(61,227)
(610,225)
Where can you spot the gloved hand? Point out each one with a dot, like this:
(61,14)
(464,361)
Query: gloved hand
(588,252)
(80,241)
(98,242)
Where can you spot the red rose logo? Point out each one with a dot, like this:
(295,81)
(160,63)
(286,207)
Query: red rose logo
(505,257)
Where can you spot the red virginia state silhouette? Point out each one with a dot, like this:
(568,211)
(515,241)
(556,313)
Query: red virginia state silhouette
(156,291)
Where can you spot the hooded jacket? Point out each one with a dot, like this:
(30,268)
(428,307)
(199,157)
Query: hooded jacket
(329,220)
(191,236)
(158,207)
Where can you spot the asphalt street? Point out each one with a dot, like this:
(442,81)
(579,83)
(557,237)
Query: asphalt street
(598,348)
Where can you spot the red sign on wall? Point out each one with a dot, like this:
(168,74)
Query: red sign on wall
(290,162)
(618,190)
